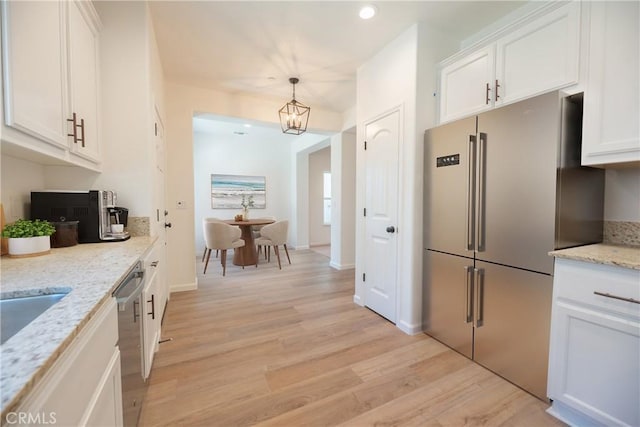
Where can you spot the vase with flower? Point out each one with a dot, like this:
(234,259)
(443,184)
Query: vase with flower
(246,203)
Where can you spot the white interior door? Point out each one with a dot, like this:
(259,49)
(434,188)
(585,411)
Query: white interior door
(160,213)
(382,138)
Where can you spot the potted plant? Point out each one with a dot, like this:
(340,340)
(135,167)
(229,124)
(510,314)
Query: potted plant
(28,238)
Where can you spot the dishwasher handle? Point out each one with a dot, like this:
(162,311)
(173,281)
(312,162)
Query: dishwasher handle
(130,288)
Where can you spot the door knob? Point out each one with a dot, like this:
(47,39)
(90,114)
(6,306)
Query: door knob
(391,229)
(167,225)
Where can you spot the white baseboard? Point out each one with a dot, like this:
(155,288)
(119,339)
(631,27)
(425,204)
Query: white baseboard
(358,300)
(341,266)
(184,287)
(409,329)
(301,247)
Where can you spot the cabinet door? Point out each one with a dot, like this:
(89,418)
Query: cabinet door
(466,85)
(611,129)
(83,76)
(539,57)
(106,406)
(35,73)
(150,321)
(595,363)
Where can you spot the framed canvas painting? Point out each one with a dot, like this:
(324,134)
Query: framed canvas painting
(227,191)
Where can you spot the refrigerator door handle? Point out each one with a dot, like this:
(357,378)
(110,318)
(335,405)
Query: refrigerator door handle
(471,195)
(482,174)
(469,294)
(479,273)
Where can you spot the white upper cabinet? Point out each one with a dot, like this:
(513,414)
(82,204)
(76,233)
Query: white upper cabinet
(50,71)
(83,78)
(466,85)
(539,57)
(35,91)
(611,98)
(531,58)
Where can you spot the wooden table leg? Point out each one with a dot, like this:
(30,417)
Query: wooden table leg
(248,250)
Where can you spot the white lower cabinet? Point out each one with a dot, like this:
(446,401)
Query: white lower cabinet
(594,359)
(154,300)
(82,388)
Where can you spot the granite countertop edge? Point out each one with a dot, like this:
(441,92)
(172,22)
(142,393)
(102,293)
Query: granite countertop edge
(89,273)
(603,253)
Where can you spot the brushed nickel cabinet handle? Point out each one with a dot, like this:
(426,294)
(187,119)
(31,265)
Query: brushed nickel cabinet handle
(606,295)
(497,86)
(153,307)
(81,125)
(74,126)
(486,95)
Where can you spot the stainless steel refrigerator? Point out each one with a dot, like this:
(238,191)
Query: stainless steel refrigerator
(502,189)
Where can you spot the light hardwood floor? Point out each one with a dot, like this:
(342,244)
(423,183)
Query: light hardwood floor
(289,347)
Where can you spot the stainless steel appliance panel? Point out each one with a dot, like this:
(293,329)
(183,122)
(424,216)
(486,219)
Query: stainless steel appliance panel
(517,152)
(512,316)
(130,304)
(448,173)
(580,190)
(447,298)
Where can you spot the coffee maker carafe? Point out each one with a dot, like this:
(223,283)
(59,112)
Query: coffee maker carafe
(118,215)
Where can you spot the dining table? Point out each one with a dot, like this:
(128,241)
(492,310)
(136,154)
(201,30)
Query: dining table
(247,254)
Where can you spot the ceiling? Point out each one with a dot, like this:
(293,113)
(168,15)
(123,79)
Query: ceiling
(255,46)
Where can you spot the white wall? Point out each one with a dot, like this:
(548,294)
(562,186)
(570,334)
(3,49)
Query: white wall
(238,155)
(319,162)
(402,75)
(622,195)
(182,103)
(343,200)
(19,177)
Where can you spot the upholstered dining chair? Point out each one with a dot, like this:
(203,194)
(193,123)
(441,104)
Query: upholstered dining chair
(210,219)
(255,229)
(274,235)
(221,236)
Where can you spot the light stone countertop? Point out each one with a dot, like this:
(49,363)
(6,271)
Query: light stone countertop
(90,273)
(601,253)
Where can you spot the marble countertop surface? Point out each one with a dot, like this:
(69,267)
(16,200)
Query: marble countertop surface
(601,253)
(89,273)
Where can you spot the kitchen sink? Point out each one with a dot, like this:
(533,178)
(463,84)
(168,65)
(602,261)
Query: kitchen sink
(16,313)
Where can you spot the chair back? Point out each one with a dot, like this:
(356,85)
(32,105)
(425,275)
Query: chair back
(219,235)
(276,232)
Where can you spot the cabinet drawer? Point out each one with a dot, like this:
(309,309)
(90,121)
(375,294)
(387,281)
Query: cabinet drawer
(578,281)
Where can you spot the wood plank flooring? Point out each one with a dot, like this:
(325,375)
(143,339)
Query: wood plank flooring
(289,347)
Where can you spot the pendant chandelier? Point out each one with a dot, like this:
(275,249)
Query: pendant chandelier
(294,116)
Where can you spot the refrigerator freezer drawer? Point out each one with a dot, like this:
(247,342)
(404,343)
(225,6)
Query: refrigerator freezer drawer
(447,306)
(512,338)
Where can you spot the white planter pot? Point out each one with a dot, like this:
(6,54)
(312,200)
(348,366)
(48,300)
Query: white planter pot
(29,246)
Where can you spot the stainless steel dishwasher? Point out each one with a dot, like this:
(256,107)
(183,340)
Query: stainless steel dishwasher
(129,298)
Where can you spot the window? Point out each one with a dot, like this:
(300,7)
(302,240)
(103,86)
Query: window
(326,199)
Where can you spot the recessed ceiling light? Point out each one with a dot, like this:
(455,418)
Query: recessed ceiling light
(368,12)
(247,125)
